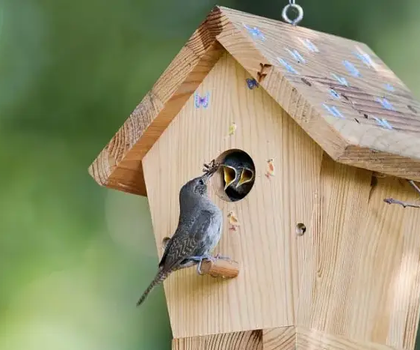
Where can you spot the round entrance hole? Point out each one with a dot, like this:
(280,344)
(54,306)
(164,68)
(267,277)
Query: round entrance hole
(235,177)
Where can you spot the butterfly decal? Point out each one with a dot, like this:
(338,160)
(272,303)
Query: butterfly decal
(232,128)
(309,45)
(385,103)
(341,80)
(333,110)
(270,168)
(255,32)
(296,55)
(251,83)
(389,87)
(334,94)
(383,122)
(365,58)
(200,101)
(233,221)
(351,68)
(288,66)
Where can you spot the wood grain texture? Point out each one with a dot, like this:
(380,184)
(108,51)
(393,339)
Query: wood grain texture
(250,340)
(312,339)
(283,338)
(264,293)
(359,138)
(359,259)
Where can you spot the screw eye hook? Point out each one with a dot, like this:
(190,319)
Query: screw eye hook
(297,8)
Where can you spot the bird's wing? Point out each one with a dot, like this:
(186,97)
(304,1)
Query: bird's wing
(186,243)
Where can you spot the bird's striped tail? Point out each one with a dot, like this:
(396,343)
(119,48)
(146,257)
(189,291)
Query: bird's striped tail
(160,277)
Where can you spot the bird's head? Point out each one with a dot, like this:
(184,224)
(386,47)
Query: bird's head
(198,185)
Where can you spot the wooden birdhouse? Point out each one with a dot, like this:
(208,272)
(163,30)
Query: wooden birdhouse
(328,251)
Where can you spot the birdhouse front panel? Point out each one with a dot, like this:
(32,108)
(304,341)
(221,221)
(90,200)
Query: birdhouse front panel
(351,274)
(229,111)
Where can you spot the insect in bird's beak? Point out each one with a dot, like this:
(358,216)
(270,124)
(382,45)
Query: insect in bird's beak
(229,175)
(247,175)
(209,170)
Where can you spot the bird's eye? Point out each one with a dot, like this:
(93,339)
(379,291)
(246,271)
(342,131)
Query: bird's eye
(201,182)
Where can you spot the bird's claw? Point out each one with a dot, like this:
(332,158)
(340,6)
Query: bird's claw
(207,257)
(200,261)
(221,257)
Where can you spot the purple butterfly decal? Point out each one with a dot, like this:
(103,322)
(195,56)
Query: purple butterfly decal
(251,83)
(389,87)
(201,101)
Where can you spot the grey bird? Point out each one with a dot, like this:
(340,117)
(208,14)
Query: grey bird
(238,175)
(199,231)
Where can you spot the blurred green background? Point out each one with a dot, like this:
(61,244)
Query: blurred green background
(74,257)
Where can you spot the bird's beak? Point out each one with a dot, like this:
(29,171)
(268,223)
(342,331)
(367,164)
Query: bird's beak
(229,175)
(246,176)
(206,177)
(209,173)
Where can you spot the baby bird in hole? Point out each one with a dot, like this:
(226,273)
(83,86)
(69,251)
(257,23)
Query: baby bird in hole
(238,175)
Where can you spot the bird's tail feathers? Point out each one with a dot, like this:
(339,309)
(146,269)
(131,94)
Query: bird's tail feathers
(159,278)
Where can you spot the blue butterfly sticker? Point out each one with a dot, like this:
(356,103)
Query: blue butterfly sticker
(383,122)
(333,110)
(296,55)
(365,58)
(201,101)
(255,32)
(385,103)
(309,45)
(341,80)
(351,68)
(251,82)
(287,66)
(334,94)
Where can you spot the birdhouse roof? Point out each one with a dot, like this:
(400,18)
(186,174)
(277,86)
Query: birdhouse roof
(342,94)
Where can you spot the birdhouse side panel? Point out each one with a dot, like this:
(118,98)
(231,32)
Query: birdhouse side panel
(229,111)
(361,266)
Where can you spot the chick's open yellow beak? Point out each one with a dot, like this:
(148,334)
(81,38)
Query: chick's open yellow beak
(246,176)
(229,175)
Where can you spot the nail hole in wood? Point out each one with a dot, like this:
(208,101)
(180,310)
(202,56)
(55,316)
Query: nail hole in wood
(300,229)
(306,81)
(412,109)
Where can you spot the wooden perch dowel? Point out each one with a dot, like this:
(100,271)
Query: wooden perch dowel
(220,268)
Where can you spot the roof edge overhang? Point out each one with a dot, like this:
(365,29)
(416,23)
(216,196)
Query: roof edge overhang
(119,165)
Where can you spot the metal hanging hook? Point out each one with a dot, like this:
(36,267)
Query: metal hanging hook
(292,6)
